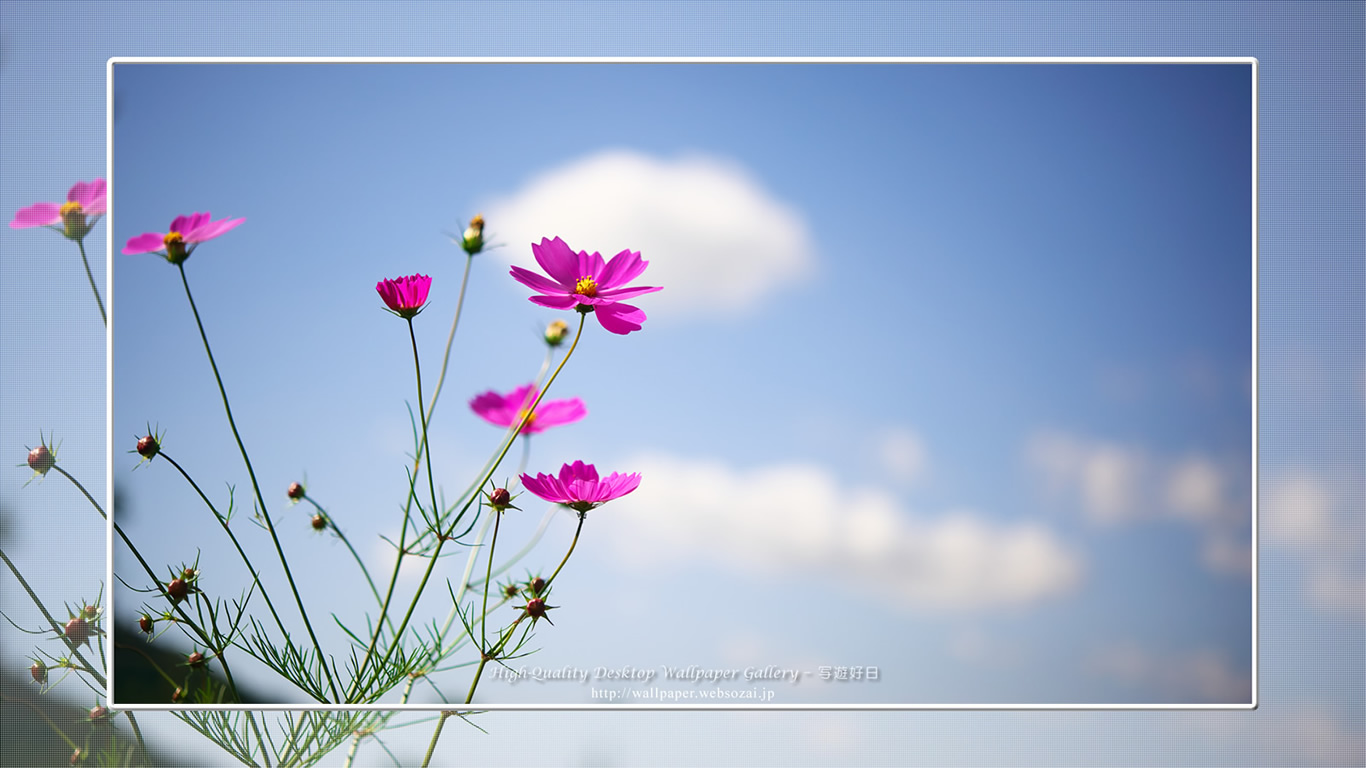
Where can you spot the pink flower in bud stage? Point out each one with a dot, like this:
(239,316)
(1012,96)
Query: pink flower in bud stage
(85,199)
(579,488)
(185,234)
(405,295)
(506,410)
(584,281)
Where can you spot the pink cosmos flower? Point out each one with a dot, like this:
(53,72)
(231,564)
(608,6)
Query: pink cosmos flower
(506,410)
(85,199)
(584,280)
(185,234)
(579,488)
(405,295)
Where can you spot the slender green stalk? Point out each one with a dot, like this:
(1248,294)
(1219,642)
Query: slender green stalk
(46,719)
(91,277)
(431,565)
(431,748)
(90,668)
(488,576)
(256,487)
(223,523)
(364,571)
(446,359)
(582,516)
(82,489)
(431,486)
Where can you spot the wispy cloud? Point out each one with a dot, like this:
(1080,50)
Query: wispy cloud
(1300,512)
(715,237)
(1196,677)
(796,520)
(1112,483)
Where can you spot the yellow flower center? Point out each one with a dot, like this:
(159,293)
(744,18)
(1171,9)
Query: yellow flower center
(586,286)
(175,247)
(530,419)
(73,219)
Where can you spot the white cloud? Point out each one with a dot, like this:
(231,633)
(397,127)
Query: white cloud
(1111,484)
(1298,513)
(1194,677)
(714,237)
(903,454)
(797,521)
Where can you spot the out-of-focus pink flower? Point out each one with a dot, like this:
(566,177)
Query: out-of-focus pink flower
(85,200)
(405,295)
(583,281)
(506,410)
(185,234)
(579,488)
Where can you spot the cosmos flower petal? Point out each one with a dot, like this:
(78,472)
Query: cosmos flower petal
(37,215)
(535,282)
(92,196)
(617,294)
(557,302)
(558,412)
(558,261)
(147,242)
(620,319)
(622,269)
(578,486)
(209,230)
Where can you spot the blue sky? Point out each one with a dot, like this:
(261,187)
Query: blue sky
(973,430)
(940,346)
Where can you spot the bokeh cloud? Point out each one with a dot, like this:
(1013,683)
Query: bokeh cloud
(1112,483)
(796,520)
(713,234)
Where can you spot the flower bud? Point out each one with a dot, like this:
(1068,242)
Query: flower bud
(318,522)
(76,756)
(473,241)
(178,590)
(555,333)
(38,672)
(190,573)
(537,585)
(499,500)
(146,624)
(177,695)
(195,659)
(148,446)
(90,612)
(510,591)
(536,609)
(295,492)
(77,631)
(98,714)
(40,459)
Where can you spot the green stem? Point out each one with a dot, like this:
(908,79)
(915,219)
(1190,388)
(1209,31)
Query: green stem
(61,632)
(431,748)
(255,574)
(431,565)
(82,489)
(256,487)
(582,516)
(91,276)
(431,486)
(364,571)
(445,360)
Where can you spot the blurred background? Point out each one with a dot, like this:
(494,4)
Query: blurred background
(949,377)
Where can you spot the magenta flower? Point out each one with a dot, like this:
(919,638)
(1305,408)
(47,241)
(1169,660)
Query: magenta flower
(583,281)
(405,295)
(579,488)
(85,199)
(506,410)
(186,233)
